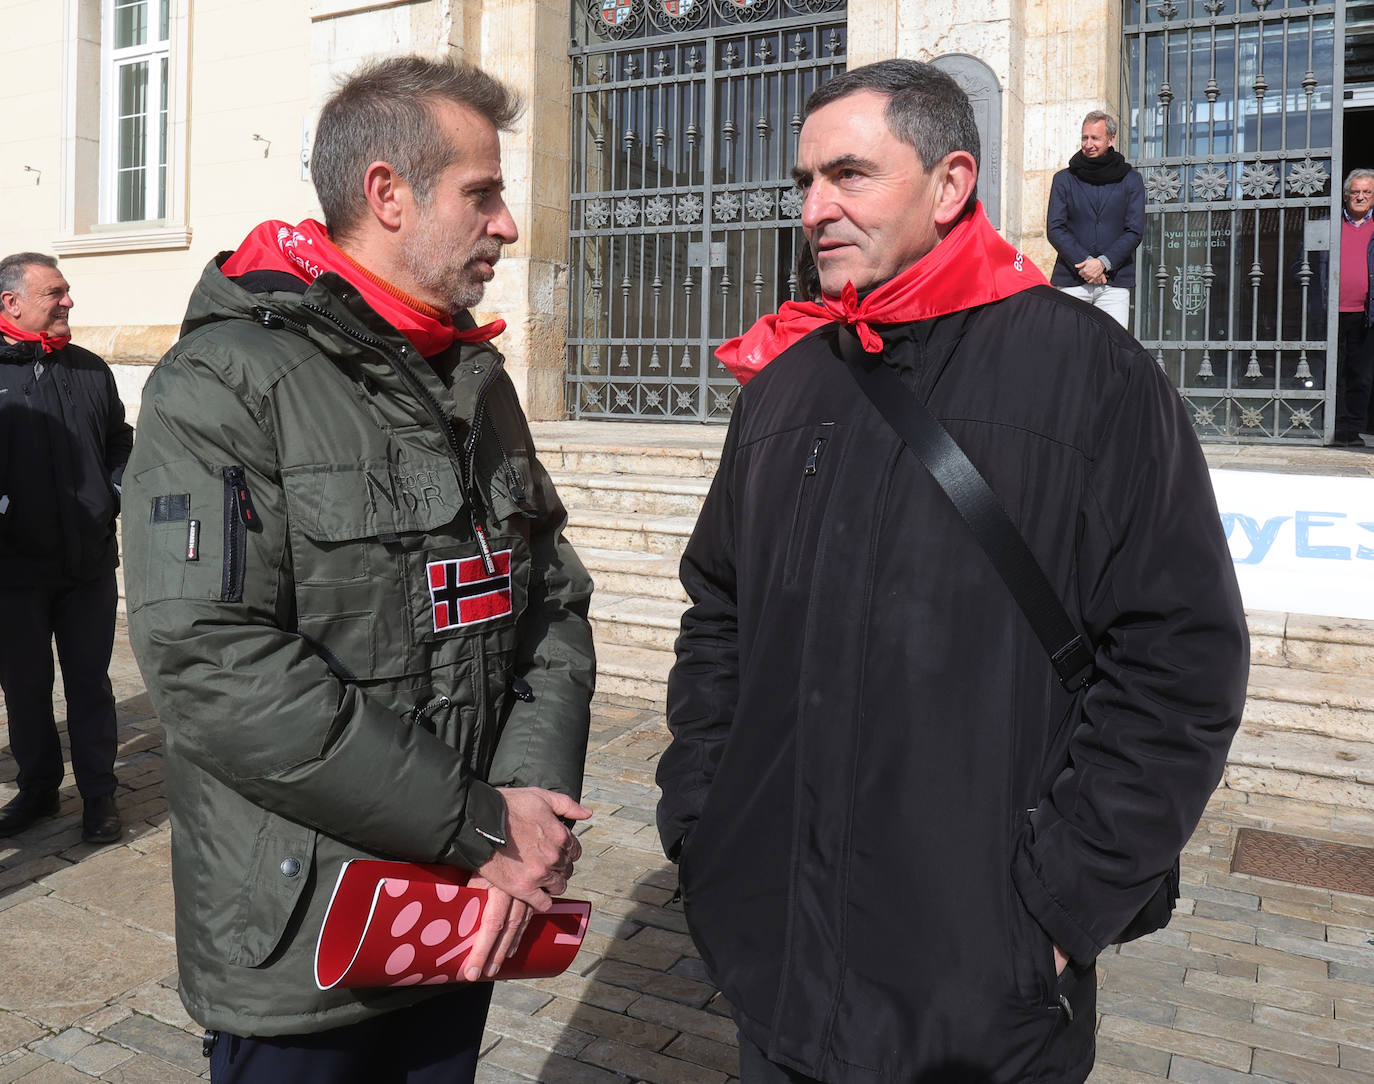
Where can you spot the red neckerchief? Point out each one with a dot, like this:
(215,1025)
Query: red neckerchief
(49,343)
(307,252)
(972,266)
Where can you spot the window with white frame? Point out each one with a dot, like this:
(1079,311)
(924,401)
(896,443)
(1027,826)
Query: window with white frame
(135,53)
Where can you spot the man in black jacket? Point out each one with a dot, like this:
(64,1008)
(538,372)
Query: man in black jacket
(901,843)
(63,446)
(1096,220)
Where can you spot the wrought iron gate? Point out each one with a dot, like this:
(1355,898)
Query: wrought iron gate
(1235,125)
(685,122)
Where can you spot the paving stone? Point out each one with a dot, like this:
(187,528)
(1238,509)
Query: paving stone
(1200,923)
(21,895)
(148,1069)
(1262,954)
(1189,1071)
(65,961)
(99,1058)
(1357,1059)
(682,1018)
(65,1044)
(1143,1059)
(148,1036)
(699,1051)
(551,1034)
(586,990)
(645,1065)
(1106,1073)
(645,981)
(1241,990)
(134,888)
(1350,973)
(607,1025)
(535,1064)
(1137,1007)
(15,1031)
(1270,1063)
(690,967)
(1273,1029)
(1203,1047)
(1353,1033)
(35,1069)
(521,997)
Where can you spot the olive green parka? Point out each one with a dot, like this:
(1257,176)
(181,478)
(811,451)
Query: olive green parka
(342,568)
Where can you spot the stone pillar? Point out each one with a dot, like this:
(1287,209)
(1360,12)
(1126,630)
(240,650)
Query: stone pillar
(1056,61)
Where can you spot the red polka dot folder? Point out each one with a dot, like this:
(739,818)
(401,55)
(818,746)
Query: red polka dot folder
(405,924)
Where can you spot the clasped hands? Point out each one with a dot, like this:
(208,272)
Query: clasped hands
(1092,271)
(534,865)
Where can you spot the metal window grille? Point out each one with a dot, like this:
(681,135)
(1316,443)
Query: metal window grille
(1235,121)
(685,122)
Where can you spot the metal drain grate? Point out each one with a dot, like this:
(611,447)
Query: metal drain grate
(1314,862)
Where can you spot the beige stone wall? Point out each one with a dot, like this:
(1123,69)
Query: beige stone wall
(1055,61)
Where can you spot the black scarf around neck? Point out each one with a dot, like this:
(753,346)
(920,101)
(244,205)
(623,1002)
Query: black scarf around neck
(1107,168)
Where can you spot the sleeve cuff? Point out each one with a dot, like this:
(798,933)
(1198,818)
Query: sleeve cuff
(483,829)
(1106,263)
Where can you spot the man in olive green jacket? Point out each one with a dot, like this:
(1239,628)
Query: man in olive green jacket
(350,594)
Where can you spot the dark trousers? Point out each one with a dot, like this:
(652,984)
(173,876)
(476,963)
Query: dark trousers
(434,1042)
(80,616)
(1354,373)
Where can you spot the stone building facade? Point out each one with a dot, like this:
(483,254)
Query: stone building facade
(221,115)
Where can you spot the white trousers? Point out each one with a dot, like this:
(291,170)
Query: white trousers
(1115,301)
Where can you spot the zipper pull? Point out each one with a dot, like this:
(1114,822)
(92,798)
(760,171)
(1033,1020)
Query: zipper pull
(488,565)
(243,500)
(517,487)
(815,455)
(267,318)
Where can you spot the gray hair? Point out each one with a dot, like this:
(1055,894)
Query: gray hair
(14,268)
(926,107)
(1356,175)
(1106,118)
(385,112)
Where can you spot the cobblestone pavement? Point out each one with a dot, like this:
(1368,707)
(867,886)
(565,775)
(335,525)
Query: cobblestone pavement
(1254,979)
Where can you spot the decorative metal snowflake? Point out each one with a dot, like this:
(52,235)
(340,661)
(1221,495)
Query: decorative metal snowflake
(685,400)
(791,203)
(1258,179)
(1252,417)
(596,214)
(723,401)
(1163,185)
(592,397)
(627,211)
(759,204)
(653,398)
(622,397)
(1203,416)
(689,208)
(1307,177)
(726,207)
(1211,182)
(1302,419)
(657,211)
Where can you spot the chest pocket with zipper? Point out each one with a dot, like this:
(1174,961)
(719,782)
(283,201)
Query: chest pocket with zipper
(816,464)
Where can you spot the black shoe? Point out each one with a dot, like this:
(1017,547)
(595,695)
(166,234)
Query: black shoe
(100,821)
(26,807)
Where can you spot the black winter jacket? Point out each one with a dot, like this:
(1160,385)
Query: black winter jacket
(63,446)
(891,810)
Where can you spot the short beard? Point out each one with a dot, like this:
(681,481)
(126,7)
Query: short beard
(425,260)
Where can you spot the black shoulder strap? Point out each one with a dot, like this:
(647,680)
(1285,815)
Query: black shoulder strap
(979,507)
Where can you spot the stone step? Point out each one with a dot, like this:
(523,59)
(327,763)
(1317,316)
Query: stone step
(624,572)
(682,451)
(640,531)
(1334,644)
(1335,705)
(650,494)
(629,621)
(633,675)
(1310,767)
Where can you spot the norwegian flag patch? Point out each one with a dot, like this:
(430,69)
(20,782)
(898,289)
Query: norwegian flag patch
(462,593)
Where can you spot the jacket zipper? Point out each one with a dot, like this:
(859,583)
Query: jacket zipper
(239,517)
(269,319)
(804,497)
